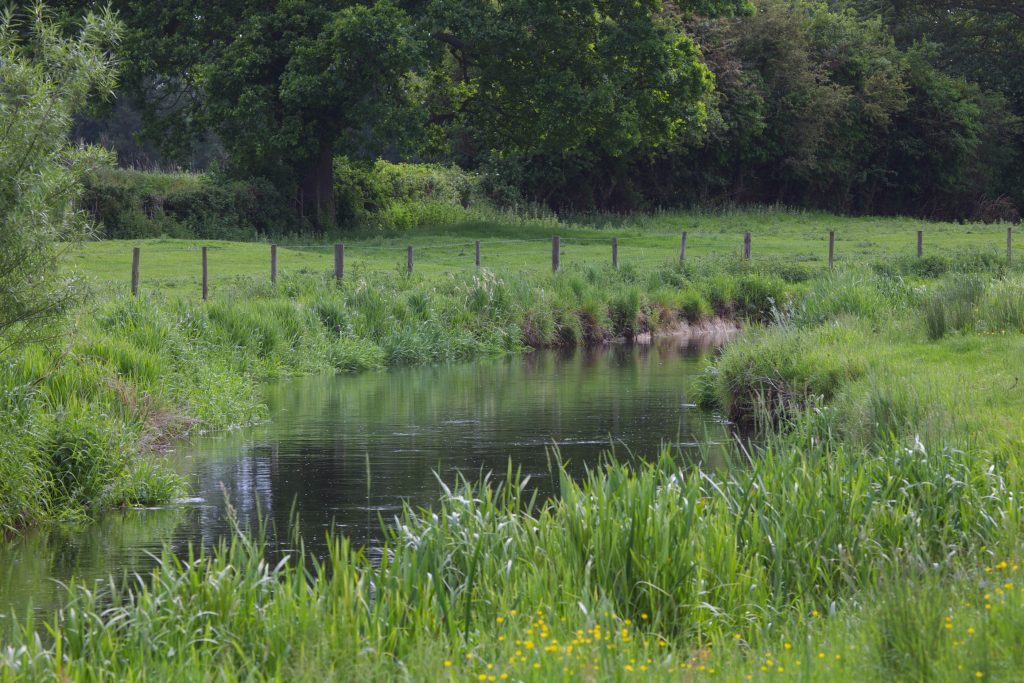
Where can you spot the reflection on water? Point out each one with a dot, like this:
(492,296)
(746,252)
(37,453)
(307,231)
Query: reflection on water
(350,451)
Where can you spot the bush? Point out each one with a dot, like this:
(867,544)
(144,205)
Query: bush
(399,197)
(384,196)
(133,204)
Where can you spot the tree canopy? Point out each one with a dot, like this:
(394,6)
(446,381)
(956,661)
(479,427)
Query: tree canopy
(893,106)
(287,85)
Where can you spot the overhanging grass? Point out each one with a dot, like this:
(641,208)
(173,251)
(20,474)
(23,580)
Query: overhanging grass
(867,345)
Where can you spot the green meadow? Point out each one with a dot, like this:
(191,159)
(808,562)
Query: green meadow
(515,244)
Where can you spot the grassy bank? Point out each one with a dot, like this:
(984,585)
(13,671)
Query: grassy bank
(130,375)
(812,560)
(939,360)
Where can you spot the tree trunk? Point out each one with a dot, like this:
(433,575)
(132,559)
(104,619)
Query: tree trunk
(316,194)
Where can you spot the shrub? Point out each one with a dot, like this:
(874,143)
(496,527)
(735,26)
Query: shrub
(133,204)
(399,197)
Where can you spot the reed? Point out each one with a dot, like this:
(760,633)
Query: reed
(653,565)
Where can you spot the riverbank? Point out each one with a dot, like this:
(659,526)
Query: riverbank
(86,420)
(130,375)
(937,362)
(812,559)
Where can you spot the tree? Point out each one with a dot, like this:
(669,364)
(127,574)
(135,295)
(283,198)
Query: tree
(284,85)
(981,40)
(566,86)
(974,49)
(45,77)
(554,76)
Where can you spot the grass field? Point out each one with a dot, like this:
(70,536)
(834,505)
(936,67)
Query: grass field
(523,246)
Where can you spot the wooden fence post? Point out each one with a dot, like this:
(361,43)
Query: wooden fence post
(339,261)
(206,277)
(831,248)
(1009,244)
(682,248)
(746,246)
(408,261)
(615,252)
(135,272)
(478,253)
(556,253)
(920,243)
(273,264)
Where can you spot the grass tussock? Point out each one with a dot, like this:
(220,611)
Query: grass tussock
(936,359)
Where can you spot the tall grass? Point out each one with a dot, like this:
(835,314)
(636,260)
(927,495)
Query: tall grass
(654,566)
(134,373)
(895,357)
(871,534)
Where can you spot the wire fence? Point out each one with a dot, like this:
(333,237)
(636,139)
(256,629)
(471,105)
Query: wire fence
(530,254)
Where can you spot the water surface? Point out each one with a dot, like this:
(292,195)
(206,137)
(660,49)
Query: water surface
(348,452)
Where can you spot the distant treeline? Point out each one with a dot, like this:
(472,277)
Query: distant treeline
(855,106)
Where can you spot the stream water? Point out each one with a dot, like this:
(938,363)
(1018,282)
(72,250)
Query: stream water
(348,452)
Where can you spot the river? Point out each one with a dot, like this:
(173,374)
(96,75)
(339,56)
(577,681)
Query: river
(347,452)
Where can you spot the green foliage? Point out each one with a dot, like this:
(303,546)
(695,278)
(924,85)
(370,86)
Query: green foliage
(520,75)
(382,197)
(46,79)
(819,107)
(130,204)
(856,106)
(282,87)
(814,106)
(398,197)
